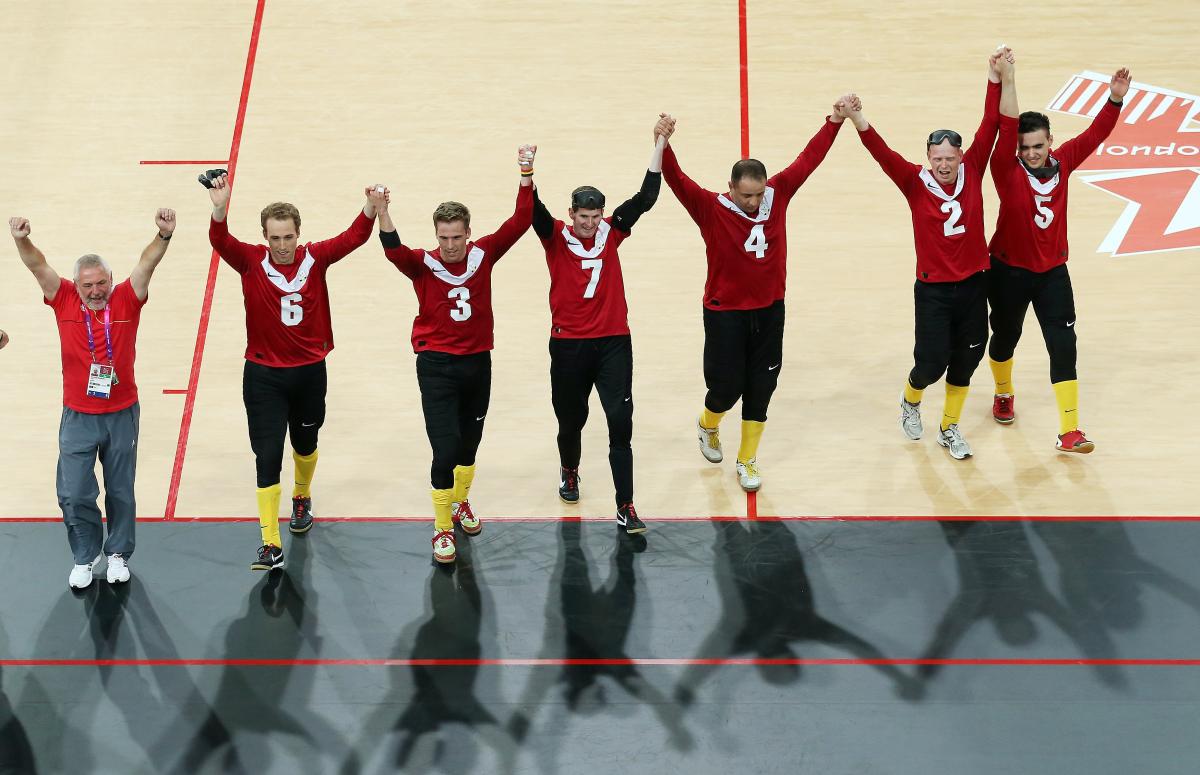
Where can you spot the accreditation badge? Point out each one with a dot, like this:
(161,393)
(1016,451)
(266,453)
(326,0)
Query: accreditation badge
(101,379)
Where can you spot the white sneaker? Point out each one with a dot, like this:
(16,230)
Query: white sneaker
(910,419)
(81,575)
(952,439)
(118,569)
(748,476)
(710,443)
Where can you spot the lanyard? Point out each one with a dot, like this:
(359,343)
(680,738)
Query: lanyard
(87,324)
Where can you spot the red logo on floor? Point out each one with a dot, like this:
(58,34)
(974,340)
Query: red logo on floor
(1151,160)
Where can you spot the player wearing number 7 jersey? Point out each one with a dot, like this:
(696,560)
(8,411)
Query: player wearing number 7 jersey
(452,337)
(1029,254)
(950,294)
(288,335)
(590,344)
(745,240)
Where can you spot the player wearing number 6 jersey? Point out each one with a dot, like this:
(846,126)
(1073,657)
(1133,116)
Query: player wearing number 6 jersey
(452,337)
(745,240)
(1029,254)
(590,344)
(288,335)
(950,294)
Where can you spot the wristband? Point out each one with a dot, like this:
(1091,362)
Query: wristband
(527,173)
(166,238)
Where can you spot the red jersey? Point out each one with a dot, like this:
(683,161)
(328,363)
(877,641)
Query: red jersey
(1031,231)
(587,292)
(947,221)
(125,312)
(747,254)
(455,300)
(287,306)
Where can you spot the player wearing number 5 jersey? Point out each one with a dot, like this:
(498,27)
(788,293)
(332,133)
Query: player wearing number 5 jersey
(288,335)
(745,240)
(1029,254)
(590,344)
(452,337)
(950,294)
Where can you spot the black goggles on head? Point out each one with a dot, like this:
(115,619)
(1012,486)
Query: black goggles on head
(587,198)
(938,136)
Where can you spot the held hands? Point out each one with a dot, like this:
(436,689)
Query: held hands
(850,106)
(1118,87)
(841,108)
(379,196)
(1001,63)
(164,219)
(525,156)
(665,127)
(19,227)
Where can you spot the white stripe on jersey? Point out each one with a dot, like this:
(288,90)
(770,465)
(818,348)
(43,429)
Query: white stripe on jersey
(474,260)
(1043,187)
(281,282)
(933,187)
(576,247)
(764,209)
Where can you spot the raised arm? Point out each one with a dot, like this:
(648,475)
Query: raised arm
(1003,162)
(336,248)
(793,176)
(976,157)
(405,259)
(543,221)
(499,242)
(1072,153)
(628,212)
(686,190)
(34,259)
(893,164)
(237,254)
(139,278)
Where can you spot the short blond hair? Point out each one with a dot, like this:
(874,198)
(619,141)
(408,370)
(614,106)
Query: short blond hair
(449,212)
(280,211)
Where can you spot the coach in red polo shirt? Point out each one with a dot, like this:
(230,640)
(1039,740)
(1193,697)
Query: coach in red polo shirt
(97,329)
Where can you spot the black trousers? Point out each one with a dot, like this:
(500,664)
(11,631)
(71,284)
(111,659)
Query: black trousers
(1011,289)
(281,401)
(951,330)
(576,365)
(743,355)
(455,391)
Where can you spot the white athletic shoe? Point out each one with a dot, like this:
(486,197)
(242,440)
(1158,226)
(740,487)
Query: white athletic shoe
(118,569)
(748,476)
(710,443)
(952,439)
(81,575)
(910,420)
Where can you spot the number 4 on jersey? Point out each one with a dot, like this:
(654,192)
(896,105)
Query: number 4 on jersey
(756,243)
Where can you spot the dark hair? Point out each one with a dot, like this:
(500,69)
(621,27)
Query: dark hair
(748,168)
(1032,121)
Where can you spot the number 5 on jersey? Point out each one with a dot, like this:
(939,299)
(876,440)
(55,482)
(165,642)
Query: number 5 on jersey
(756,243)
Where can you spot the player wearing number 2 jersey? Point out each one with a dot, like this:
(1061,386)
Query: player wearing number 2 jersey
(950,293)
(1029,254)
(590,343)
(288,335)
(745,239)
(452,337)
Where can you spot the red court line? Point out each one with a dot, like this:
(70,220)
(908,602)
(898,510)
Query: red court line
(752,505)
(714,518)
(669,661)
(744,78)
(189,405)
(182,161)
(171,392)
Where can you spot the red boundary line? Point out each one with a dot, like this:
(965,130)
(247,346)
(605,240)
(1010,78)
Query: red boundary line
(669,661)
(185,422)
(172,392)
(183,161)
(716,518)
(744,78)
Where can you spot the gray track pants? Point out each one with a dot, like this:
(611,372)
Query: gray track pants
(81,437)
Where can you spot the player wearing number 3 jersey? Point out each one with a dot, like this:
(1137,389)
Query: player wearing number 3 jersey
(745,239)
(452,337)
(288,335)
(950,294)
(590,345)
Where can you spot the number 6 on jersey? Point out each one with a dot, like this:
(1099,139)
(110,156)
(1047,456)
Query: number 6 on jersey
(756,243)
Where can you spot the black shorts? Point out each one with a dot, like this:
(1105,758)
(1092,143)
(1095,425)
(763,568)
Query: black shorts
(455,391)
(282,400)
(951,330)
(743,355)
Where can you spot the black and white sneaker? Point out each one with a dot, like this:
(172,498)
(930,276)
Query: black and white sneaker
(568,484)
(302,516)
(627,518)
(269,558)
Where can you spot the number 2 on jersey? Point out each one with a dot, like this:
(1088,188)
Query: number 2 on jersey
(952,227)
(462,310)
(756,243)
(594,265)
(290,311)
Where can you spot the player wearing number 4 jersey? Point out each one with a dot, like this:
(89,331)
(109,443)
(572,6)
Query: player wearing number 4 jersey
(452,337)
(1029,254)
(745,240)
(288,335)
(590,344)
(950,294)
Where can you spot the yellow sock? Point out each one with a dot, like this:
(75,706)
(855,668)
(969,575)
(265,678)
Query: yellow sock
(268,514)
(305,467)
(463,476)
(1067,395)
(1002,373)
(442,519)
(956,396)
(751,433)
(710,420)
(911,394)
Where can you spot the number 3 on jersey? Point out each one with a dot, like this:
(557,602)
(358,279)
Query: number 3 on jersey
(756,243)
(462,310)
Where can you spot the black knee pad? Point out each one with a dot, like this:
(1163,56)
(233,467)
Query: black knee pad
(925,373)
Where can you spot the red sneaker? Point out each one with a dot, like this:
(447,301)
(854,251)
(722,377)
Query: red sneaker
(1074,441)
(1003,409)
(443,546)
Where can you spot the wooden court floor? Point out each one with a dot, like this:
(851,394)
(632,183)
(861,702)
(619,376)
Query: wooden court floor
(432,99)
